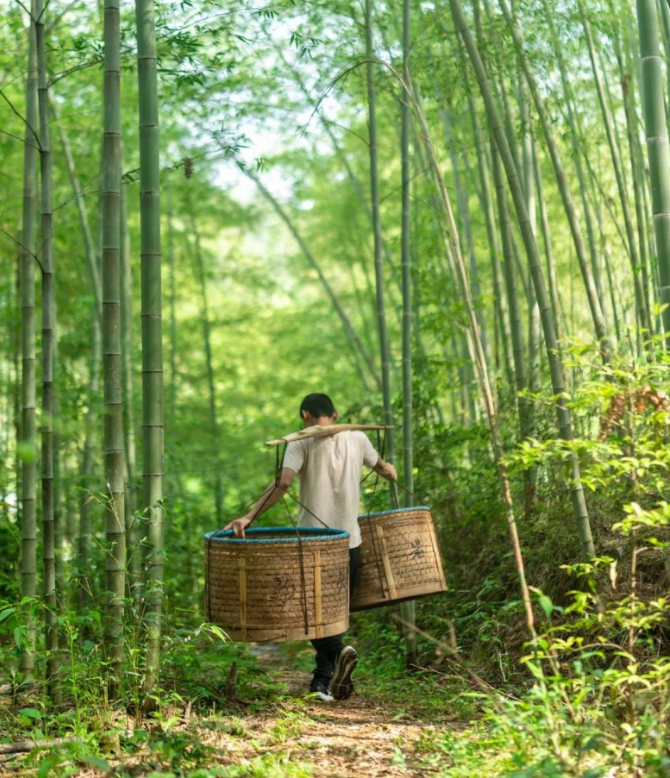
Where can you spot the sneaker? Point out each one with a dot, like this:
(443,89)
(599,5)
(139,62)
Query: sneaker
(341,686)
(319,691)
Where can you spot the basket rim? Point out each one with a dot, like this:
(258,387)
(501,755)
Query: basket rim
(308,534)
(394,510)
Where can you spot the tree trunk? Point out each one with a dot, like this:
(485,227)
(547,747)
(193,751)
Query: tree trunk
(28,448)
(152,344)
(407,609)
(48,330)
(133,526)
(115,536)
(657,146)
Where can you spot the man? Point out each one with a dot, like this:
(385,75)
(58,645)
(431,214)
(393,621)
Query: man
(329,469)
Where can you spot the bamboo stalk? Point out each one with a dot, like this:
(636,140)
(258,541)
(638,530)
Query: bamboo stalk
(627,84)
(151,315)
(546,313)
(342,157)
(523,405)
(133,527)
(595,306)
(28,399)
(384,348)
(642,312)
(658,150)
(92,262)
(87,500)
(573,119)
(476,351)
(407,609)
(113,437)
(556,304)
(82,211)
(463,210)
(48,337)
(492,236)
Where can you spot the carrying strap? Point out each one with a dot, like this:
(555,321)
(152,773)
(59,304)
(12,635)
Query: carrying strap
(381,445)
(279,464)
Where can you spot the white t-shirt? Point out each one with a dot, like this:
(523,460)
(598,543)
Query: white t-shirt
(330,469)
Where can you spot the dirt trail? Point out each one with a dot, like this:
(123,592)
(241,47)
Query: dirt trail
(362,736)
(288,735)
(350,739)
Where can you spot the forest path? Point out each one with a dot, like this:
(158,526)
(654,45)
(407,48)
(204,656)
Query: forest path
(270,729)
(362,736)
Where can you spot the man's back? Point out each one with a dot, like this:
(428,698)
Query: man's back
(330,471)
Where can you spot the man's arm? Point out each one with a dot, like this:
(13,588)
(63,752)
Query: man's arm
(271,496)
(385,470)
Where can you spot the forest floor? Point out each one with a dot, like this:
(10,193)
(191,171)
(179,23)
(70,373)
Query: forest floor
(358,737)
(272,729)
(366,735)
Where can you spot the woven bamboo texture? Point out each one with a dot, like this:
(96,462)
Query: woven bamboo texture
(257,589)
(400,558)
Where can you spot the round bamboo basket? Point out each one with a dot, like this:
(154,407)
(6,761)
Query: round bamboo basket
(400,558)
(278,583)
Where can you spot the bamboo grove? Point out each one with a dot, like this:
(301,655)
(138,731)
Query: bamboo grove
(451,216)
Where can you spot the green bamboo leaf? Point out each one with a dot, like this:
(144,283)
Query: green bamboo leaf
(45,765)
(31,713)
(546,604)
(96,761)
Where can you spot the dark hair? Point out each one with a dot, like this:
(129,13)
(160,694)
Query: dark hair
(317,405)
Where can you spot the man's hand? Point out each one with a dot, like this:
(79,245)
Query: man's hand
(386,470)
(391,473)
(238,526)
(271,496)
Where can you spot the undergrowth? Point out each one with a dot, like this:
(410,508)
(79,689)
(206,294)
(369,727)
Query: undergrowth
(586,697)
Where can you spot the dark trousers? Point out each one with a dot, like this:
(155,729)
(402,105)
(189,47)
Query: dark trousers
(327,649)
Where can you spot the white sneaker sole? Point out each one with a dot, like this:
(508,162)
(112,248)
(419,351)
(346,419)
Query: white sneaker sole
(341,686)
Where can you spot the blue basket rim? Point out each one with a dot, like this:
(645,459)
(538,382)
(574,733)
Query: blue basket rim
(307,534)
(392,511)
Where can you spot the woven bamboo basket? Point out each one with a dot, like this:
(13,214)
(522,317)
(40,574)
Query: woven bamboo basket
(400,558)
(278,583)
